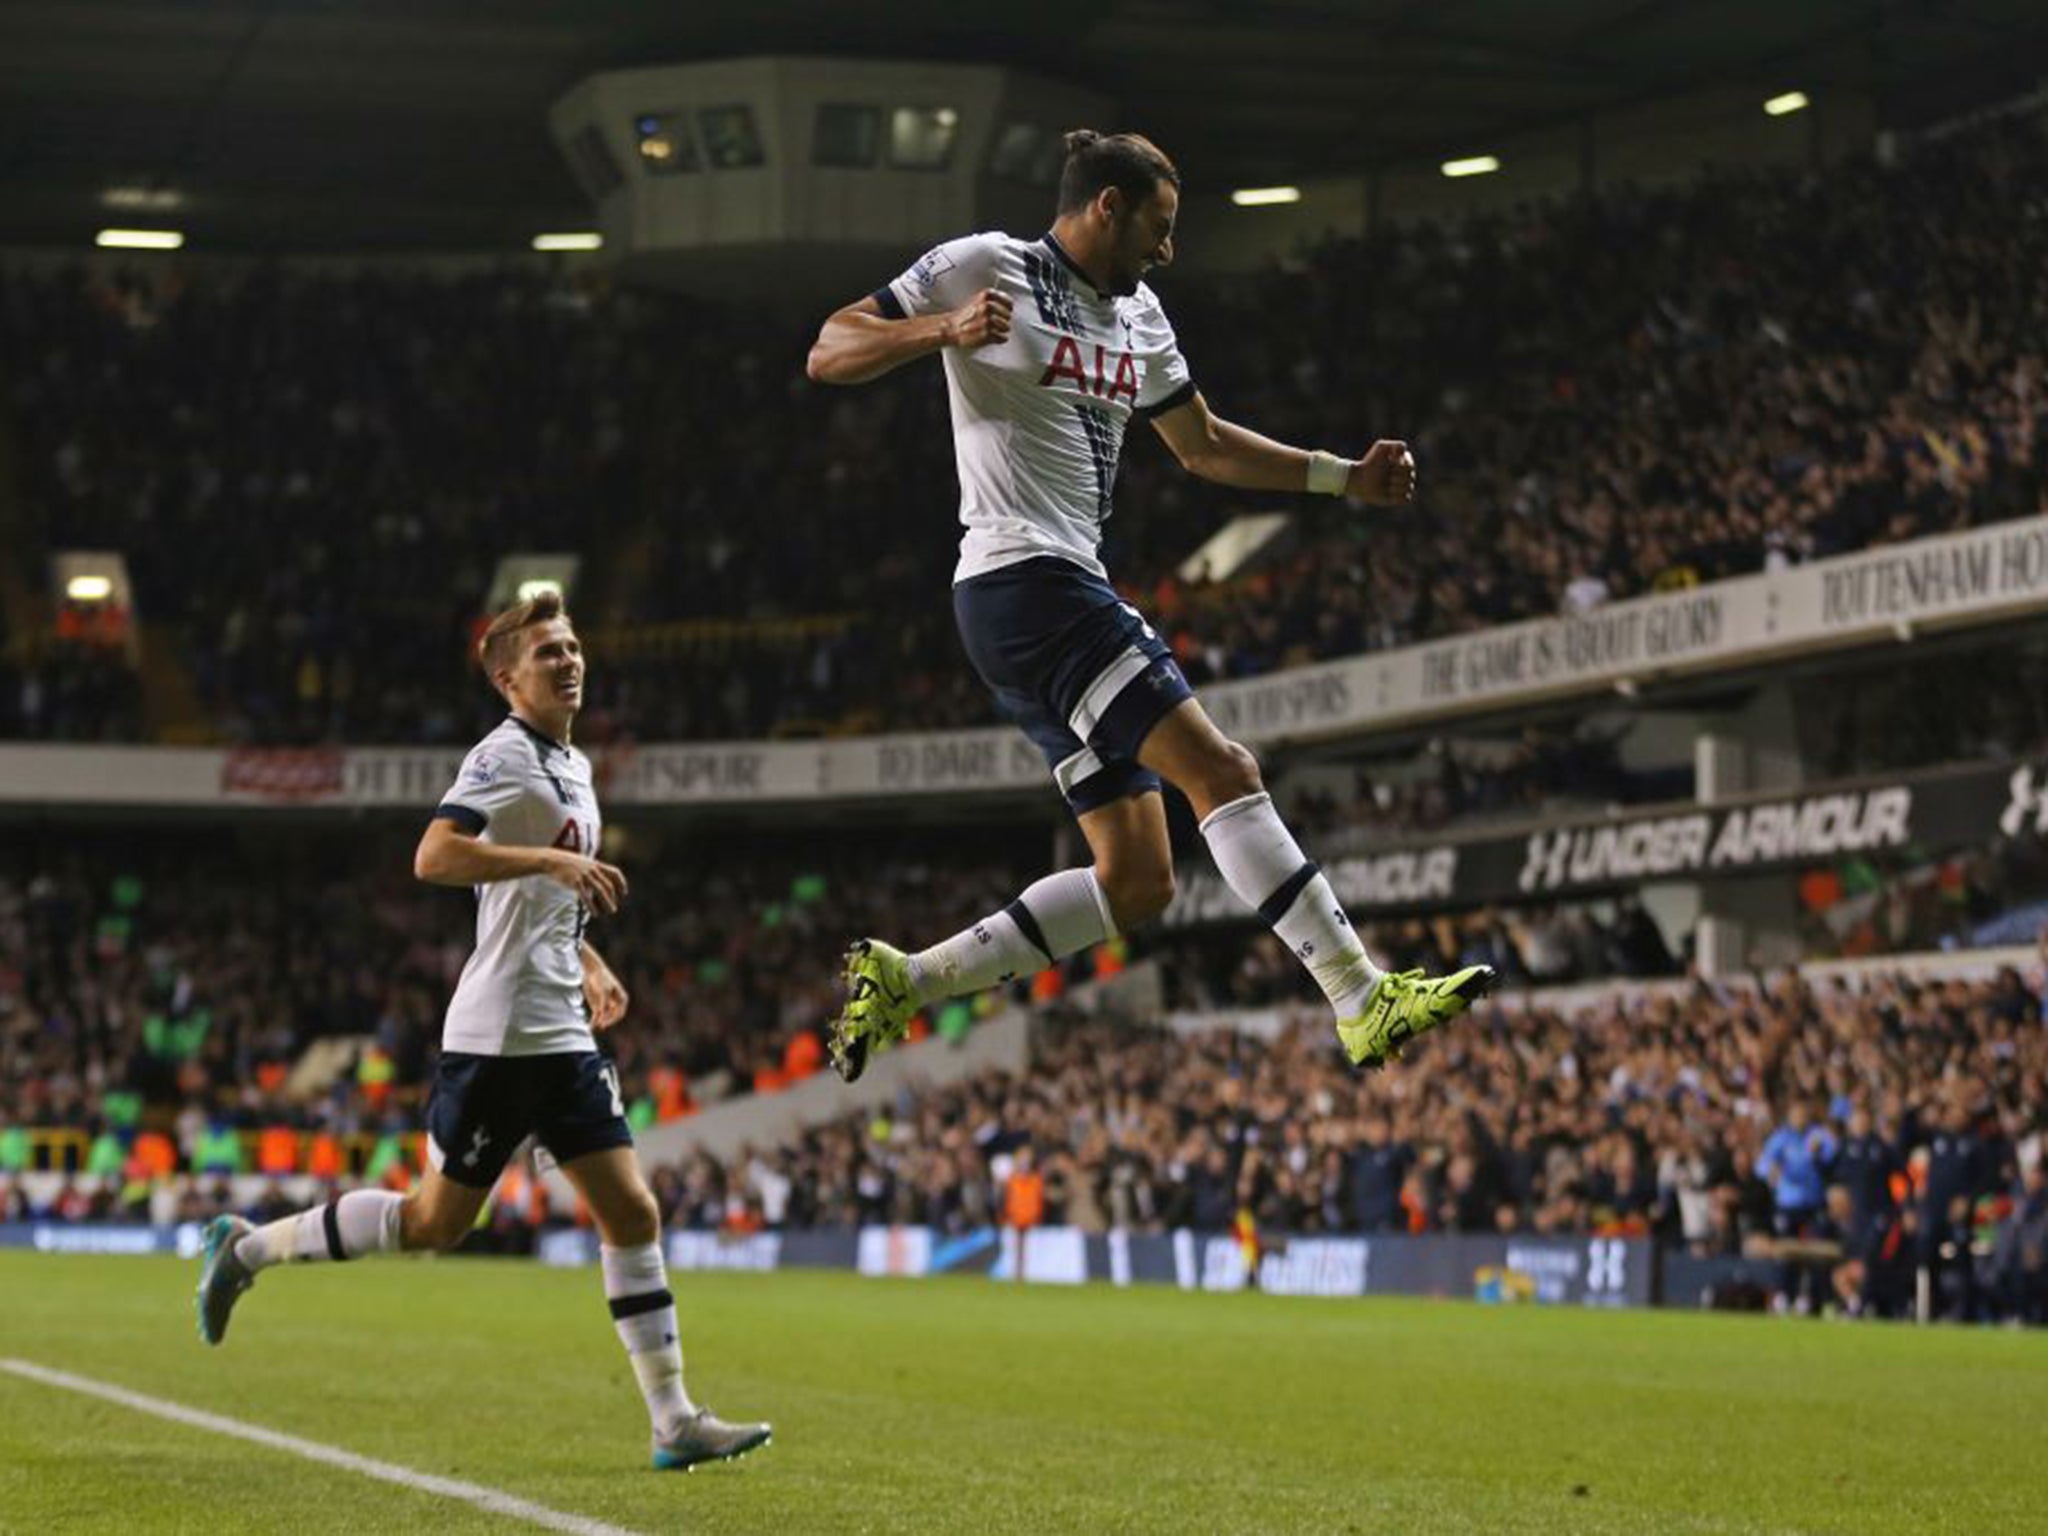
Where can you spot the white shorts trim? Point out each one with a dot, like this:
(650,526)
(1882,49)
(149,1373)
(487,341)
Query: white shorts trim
(1071,771)
(1100,694)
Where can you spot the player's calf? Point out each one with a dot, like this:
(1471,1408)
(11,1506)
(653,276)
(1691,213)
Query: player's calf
(424,1229)
(363,1221)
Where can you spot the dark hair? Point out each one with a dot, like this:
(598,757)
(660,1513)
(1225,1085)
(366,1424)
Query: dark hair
(497,648)
(1130,162)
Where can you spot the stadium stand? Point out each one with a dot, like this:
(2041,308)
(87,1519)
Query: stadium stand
(1626,391)
(1915,1106)
(191,975)
(1914,1114)
(165,997)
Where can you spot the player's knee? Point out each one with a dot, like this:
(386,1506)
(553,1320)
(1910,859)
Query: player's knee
(633,1220)
(1137,892)
(1231,773)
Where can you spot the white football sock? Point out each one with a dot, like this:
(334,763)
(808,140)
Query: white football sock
(361,1221)
(1054,918)
(643,1311)
(1260,860)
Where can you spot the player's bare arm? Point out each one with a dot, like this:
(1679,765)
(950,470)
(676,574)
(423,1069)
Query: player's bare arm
(448,855)
(859,342)
(603,990)
(1222,451)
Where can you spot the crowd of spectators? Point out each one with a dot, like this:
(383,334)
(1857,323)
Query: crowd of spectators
(69,691)
(177,974)
(1450,781)
(1533,946)
(310,473)
(157,993)
(75,682)
(1882,1131)
(1918,711)
(184,974)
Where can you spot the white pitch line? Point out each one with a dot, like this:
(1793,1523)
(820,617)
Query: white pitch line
(426,1482)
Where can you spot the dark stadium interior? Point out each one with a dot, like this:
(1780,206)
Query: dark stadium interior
(261,103)
(1757,369)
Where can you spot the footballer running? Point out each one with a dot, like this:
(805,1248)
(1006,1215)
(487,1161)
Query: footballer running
(519,1056)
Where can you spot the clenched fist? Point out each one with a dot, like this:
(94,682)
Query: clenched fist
(1385,477)
(982,321)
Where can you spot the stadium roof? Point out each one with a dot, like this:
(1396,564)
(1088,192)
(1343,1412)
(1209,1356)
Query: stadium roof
(352,123)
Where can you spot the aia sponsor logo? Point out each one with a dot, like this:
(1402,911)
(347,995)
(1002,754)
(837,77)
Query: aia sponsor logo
(1114,375)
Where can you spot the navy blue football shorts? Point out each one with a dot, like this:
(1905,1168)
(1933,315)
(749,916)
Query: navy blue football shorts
(1076,667)
(483,1107)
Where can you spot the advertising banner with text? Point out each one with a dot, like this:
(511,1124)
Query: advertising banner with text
(1567,1271)
(1977,577)
(1929,812)
(1551,1270)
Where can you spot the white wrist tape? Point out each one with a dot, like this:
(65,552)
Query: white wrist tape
(1328,474)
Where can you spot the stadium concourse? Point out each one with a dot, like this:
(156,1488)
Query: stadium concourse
(1759,368)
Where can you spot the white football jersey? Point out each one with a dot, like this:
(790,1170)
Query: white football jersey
(1038,421)
(521,993)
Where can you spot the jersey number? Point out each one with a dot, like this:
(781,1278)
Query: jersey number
(572,838)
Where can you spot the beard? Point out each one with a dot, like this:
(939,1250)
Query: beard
(1125,277)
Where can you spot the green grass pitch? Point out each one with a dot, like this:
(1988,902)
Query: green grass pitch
(965,1405)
